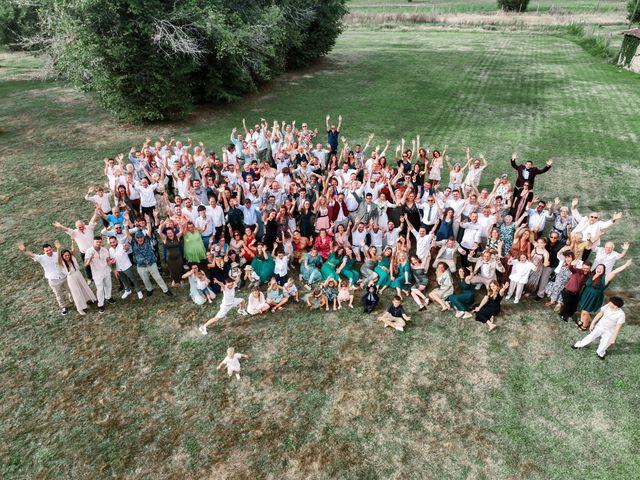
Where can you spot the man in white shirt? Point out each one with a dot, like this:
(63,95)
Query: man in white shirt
(56,278)
(391,235)
(423,243)
(538,218)
(606,325)
(101,199)
(204,224)
(147,196)
(119,255)
(608,257)
(99,260)
(358,240)
(82,235)
(430,212)
(471,236)
(485,221)
(590,226)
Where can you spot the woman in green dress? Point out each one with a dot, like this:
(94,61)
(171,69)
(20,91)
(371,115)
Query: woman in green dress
(383,270)
(334,261)
(310,267)
(592,296)
(463,300)
(348,269)
(445,286)
(263,264)
(194,251)
(402,281)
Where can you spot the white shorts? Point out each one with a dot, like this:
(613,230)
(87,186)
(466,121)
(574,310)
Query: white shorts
(225,308)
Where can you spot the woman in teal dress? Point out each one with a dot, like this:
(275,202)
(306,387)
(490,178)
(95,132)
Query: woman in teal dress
(592,296)
(310,267)
(194,251)
(334,260)
(263,264)
(463,300)
(382,269)
(402,281)
(348,269)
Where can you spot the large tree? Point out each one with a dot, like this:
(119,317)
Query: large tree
(154,59)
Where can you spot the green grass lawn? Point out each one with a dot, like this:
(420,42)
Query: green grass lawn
(458,6)
(135,394)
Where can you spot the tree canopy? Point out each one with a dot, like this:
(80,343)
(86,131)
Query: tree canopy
(154,59)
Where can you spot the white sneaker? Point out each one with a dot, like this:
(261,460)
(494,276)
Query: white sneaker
(507,297)
(202,329)
(479,286)
(237,376)
(400,329)
(125,294)
(385,325)
(140,296)
(517,300)
(243,312)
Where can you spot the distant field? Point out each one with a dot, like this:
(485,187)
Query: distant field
(459,6)
(134,393)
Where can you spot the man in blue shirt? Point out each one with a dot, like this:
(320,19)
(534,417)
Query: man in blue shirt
(333,133)
(145,259)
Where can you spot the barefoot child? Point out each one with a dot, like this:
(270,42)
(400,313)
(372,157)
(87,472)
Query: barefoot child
(275,297)
(257,304)
(229,301)
(315,300)
(290,290)
(395,317)
(232,361)
(330,292)
(344,295)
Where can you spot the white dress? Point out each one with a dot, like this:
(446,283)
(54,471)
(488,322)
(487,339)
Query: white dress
(436,168)
(80,291)
(254,305)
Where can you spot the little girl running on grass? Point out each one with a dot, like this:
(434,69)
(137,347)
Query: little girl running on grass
(232,361)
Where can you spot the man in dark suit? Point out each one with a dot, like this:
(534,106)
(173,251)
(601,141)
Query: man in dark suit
(527,172)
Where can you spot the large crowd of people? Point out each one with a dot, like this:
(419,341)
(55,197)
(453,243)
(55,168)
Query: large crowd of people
(287,217)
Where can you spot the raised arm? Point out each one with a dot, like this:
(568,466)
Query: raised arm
(610,276)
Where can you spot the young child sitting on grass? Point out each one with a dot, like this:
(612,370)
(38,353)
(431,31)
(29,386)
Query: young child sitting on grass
(315,300)
(371,298)
(395,317)
(290,290)
(275,296)
(232,361)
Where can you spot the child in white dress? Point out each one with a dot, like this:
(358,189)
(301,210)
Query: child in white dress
(232,361)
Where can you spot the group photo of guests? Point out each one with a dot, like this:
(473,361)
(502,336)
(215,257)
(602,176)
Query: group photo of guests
(286,215)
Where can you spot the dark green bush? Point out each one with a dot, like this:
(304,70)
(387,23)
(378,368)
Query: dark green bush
(151,60)
(632,7)
(513,5)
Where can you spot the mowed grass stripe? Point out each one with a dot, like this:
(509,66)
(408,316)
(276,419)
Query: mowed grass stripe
(335,395)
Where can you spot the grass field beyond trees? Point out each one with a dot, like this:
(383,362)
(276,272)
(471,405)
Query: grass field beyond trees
(134,393)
